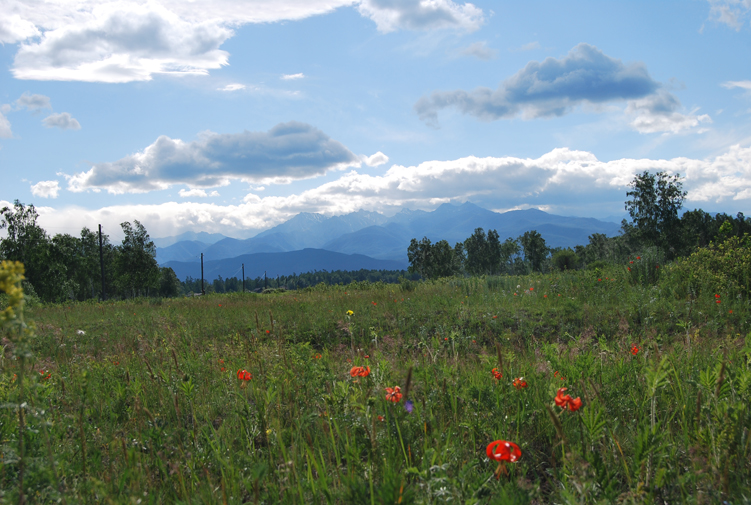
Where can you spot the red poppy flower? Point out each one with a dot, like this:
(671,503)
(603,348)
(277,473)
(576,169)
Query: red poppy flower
(317,356)
(445,338)
(629,268)
(244,375)
(657,266)
(220,304)
(565,401)
(544,296)
(381,418)
(731,312)
(268,331)
(360,371)
(519,383)
(498,375)
(638,257)
(394,394)
(718,301)
(599,280)
(374,304)
(716,295)
(501,450)
(495,317)
(366,356)
(631,262)
(634,350)
(531,289)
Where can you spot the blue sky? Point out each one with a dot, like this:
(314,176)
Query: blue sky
(232,117)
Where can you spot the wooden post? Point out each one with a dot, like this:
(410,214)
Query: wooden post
(101,261)
(243,277)
(203,291)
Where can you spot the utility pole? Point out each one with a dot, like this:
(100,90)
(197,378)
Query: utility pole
(203,291)
(243,277)
(101,261)
(264,279)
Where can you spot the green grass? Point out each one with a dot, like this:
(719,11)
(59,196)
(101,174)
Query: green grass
(138,408)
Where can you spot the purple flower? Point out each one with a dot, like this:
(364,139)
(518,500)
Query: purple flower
(409,406)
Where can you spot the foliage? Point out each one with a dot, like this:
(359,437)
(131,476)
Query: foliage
(535,249)
(141,398)
(723,267)
(565,259)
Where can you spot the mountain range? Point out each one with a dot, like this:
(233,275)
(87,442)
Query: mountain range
(373,235)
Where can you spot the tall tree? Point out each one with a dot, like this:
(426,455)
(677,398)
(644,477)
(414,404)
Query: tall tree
(28,243)
(653,206)
(137,269)
(535,249)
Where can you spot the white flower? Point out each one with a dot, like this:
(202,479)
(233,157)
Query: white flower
(80,332)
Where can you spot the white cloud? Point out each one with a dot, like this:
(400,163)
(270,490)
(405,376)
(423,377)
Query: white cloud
(562,181)
(479,50)
(233,87)
(63,120)
(46,189)
(391,15)
(375,160)
(33,102)
(5,131)
(585,77)
(292,77)
(659,112)
(118,41)
(287,152)
(732,13)
(187,193)
(737,84)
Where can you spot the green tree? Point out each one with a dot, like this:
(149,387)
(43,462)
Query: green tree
(137,269)
(653,206)
(565,259)
(28,243)
(418,254)
(169,284)
(483,253)
(509,253)
(535,249)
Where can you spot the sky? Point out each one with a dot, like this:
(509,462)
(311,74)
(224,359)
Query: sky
(233,116)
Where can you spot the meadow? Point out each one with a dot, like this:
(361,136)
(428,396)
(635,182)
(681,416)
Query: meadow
(257,398)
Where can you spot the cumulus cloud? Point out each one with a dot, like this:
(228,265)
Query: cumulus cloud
(561,181)
(287,152)
(33,102)
(233,87)
(479,50)
(187,193)
(554,87)
(132,40)
(46,189)
(548,88)
(660,112)
(391,15)
(63,120)
(732,13)
(375,160)
(292,77)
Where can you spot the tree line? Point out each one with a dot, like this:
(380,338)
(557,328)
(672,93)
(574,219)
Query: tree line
(654,204)
(65,267)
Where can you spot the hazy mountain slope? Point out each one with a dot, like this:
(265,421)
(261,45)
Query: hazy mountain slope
(282,263)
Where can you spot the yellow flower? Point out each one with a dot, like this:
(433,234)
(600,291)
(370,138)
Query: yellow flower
(349,313)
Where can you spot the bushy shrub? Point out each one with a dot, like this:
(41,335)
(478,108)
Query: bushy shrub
(565,259)
(719,267)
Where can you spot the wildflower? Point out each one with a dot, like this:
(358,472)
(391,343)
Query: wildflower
(367,356)
(500,450)
(409,406)
(731,312)
(360,371)
(631,262)
(498,375)
(657,266)
(599,280)
(635,350)
(350,313)
(475,341)
(519,383)
(80,332)
(374,304)
(43,376)
(317,356)
(718,301)
(716,295)
(445,338)
(544,296)
(268,331)
(394,394)
(515,294)
(495,317)
(638,257)
(381,418)
(531,289)
(220,304)
(115,363)
(244,375)
(629,268)
(565,401)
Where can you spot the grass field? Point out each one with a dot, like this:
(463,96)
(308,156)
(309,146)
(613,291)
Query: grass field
(140,401)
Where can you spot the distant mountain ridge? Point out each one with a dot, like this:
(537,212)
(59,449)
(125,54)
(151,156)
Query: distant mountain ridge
(387,238)
(283,263)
